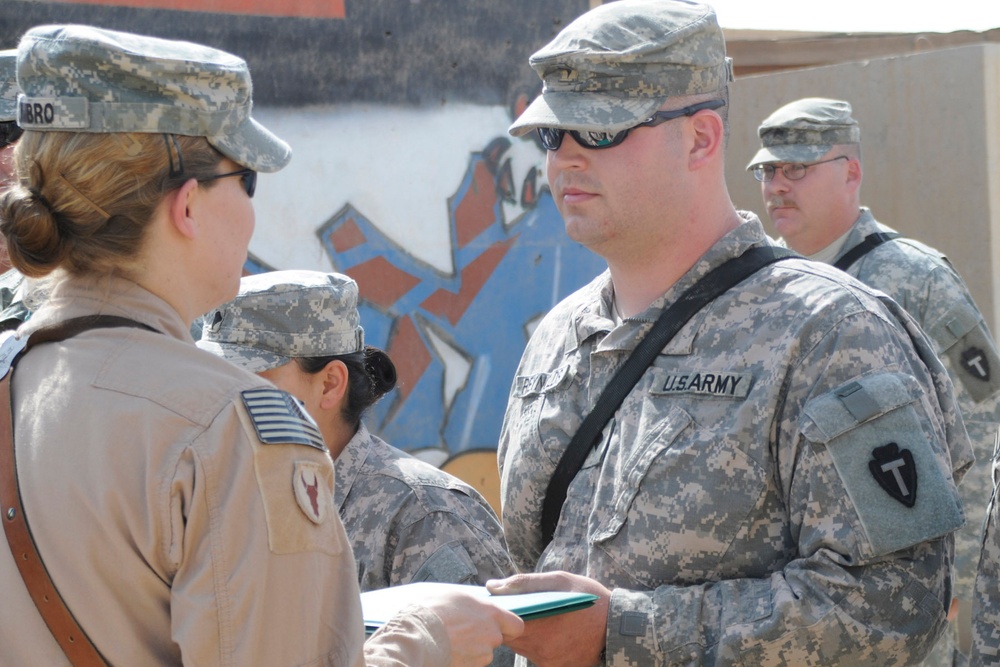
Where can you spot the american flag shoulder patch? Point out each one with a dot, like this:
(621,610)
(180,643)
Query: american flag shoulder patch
(279,418)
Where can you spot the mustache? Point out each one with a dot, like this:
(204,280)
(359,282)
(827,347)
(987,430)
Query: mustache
(778,202)
(565,181)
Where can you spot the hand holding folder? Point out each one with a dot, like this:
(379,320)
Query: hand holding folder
(381,605)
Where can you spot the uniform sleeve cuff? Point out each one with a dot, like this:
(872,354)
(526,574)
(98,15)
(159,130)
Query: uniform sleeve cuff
(631,638)
(414,636)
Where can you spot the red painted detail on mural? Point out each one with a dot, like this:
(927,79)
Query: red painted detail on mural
(529,189)
(521,104)
(314,9)
(347,236)
(381,283)
(475,212)
(494,152)
(444,303)
(409,354)
(505,182)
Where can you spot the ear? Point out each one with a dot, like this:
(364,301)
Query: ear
(181,204)
(708,136)
(335,383)
(854,173)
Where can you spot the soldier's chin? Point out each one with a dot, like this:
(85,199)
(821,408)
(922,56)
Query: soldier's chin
(784,222)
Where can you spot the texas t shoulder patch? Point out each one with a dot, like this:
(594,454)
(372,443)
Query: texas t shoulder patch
(976,363)
(895,472)
(280,419)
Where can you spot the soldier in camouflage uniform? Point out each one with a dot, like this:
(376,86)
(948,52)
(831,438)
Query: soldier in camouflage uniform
(754,499)
(9,129)
(817,210)
(182,506)
(12,309)
(407,520)
(986,601)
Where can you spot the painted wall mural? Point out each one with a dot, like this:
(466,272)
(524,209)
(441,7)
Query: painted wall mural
(403,177)
(455,330)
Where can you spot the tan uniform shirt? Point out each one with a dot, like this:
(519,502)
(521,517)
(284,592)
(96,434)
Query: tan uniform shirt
(175,532)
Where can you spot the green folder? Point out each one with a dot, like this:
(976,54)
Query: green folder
(377,607)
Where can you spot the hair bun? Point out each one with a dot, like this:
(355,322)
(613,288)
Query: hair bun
(380,369)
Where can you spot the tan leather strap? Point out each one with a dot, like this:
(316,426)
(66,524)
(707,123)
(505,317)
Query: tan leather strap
(67,632)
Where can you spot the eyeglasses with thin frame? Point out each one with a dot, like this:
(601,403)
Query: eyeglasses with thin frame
(793,171)
(248,178)
(552,136)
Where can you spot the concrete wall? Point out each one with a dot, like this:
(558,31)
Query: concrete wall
(455,242)
(930,131)
(403,176)
(408,52)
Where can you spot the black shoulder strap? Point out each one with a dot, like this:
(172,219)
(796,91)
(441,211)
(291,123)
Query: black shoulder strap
(714,283)
(871,242)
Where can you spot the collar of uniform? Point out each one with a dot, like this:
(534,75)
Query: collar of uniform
(593,316)
(862,227)
(733,244)
(78,296)
(348,465)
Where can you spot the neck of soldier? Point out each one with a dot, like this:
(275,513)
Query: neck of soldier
(645,271)
(336,434)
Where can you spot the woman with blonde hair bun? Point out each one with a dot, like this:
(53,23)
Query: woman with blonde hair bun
(181,507)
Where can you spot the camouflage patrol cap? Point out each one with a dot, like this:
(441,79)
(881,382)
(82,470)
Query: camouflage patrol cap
(805,130)
(280,315)
(614,66)
(8,85)
(85,79)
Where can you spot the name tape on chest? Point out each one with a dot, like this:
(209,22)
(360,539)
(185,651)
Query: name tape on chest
(728,385)
(279,418)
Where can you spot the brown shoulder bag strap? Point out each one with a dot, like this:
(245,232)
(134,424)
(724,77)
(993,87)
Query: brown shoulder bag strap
(67,632)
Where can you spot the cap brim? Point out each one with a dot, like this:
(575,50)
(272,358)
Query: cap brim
(248,358)
(584,111)
(789,153)
(253,146)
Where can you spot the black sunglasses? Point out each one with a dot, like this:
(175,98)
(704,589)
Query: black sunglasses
(552,137)
(248,177)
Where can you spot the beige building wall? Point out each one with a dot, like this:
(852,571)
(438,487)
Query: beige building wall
(930,131)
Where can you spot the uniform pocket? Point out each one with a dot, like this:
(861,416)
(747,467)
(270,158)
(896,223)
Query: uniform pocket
(294,475)
(531,408)
(670,511)
(874,433)
(963,337)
